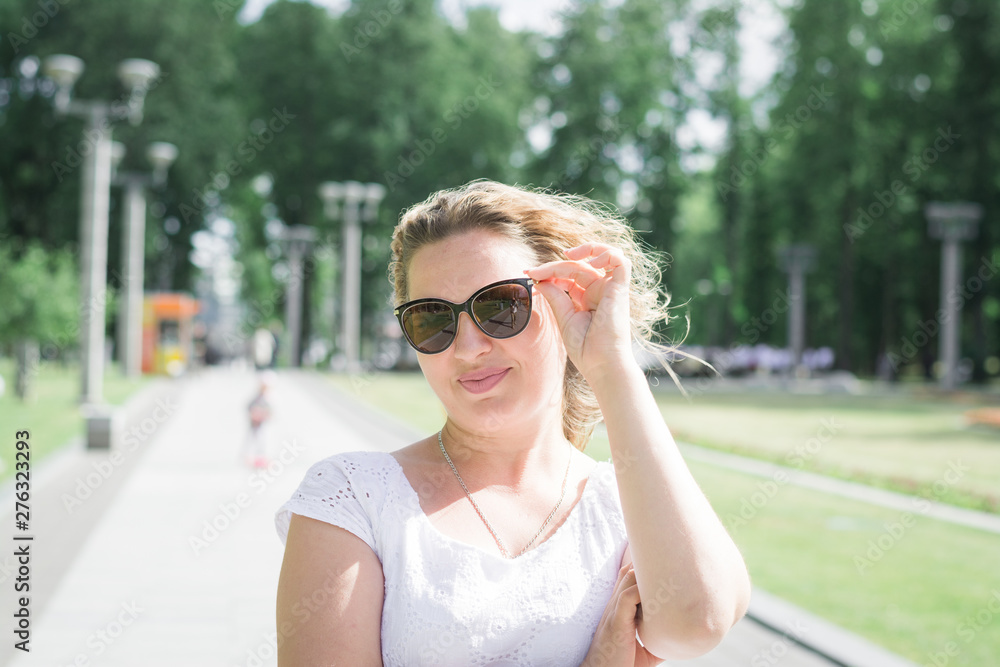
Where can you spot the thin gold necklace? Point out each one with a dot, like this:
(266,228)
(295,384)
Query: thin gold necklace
(500,544)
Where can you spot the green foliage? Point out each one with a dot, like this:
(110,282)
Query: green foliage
(393,92)
(38,294)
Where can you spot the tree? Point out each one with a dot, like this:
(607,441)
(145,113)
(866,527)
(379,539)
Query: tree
(38,297)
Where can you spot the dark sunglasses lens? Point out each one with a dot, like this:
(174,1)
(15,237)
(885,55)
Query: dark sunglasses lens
(503,311)
(429,326)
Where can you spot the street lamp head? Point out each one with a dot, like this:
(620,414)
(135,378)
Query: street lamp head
(161,155)
(64,70)
(953,221)
(797,257)
(117,154)
(331,193)
(136,74)
(354,194)
(354,191)
(374,193)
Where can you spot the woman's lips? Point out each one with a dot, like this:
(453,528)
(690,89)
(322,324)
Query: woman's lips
(486,383)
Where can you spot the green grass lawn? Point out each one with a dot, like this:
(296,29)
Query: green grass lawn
(902,442)
(52,414)
(918,588)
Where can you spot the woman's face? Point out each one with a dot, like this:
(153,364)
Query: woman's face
(535,359)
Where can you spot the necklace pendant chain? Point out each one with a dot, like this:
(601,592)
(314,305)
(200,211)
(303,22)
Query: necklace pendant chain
(500,544)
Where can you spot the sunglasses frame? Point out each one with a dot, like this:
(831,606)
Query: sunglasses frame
(458,308)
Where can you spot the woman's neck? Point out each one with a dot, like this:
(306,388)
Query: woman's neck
(512,458)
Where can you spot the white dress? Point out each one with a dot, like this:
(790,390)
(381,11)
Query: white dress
(448,603)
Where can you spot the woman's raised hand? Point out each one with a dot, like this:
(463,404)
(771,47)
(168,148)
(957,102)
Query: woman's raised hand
(589,295)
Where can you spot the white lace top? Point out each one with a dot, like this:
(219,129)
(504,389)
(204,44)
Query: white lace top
(448,603)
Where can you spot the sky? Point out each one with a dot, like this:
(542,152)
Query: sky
(762,24)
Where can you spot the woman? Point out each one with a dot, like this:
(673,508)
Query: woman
(496,541)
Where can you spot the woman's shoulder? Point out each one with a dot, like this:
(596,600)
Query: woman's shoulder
(604,484)
(347,489)
(362,461)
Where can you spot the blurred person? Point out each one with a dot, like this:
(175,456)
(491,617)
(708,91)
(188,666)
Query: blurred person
(258,412)
(496,540)
(263,346)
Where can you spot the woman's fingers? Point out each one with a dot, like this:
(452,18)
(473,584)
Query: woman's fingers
(581,272)
(604,256)
(562,304)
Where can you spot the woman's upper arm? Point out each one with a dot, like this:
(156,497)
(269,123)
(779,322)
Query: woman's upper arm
(330,592)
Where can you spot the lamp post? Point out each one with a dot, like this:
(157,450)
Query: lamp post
(352,195)
(297,240)
(952,223)
(136,75)
(796,260)
(129,326)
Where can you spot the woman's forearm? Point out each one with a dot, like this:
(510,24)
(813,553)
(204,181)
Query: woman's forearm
(692,579)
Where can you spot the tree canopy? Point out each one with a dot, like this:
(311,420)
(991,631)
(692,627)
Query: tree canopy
(877,108)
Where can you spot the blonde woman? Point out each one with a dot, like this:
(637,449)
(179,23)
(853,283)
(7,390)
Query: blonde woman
(496,540)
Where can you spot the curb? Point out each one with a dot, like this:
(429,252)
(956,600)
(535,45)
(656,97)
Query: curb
(839,646)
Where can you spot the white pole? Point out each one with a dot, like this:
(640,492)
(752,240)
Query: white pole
(352,283)
(951,262)
(130,307)
(293,302)
(797,314)
(94,204)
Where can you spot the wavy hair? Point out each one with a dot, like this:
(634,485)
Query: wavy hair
(548,223)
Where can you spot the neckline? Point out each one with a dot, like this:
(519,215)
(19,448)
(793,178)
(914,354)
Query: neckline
(414,499)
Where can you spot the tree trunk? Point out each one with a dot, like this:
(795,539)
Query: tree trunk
(845,357)
(27,366)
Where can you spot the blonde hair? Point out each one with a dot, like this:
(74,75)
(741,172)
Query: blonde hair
(548,223)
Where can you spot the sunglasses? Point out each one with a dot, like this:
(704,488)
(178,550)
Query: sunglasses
(500,310)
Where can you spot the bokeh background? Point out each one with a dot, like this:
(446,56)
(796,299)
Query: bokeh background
(730,134)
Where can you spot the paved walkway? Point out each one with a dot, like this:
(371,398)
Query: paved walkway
(179,561)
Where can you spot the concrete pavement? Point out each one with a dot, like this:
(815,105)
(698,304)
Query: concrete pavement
(180,565)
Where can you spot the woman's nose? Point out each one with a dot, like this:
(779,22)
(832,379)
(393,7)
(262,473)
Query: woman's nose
(470,342)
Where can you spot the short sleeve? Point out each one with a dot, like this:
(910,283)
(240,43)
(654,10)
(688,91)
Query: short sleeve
(327,493)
